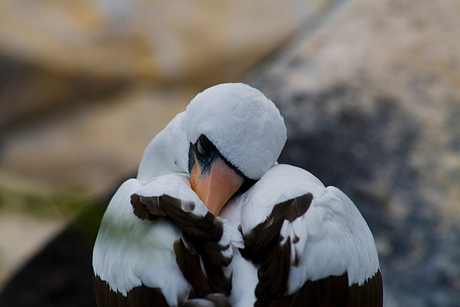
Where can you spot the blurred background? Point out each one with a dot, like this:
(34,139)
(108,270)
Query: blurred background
(370,92)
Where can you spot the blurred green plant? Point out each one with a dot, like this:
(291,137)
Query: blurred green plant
(82,210)
(42,203)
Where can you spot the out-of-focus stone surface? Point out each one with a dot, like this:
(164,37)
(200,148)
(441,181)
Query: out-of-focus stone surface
(372,105)
(96,144)
(156,40)
(58,53)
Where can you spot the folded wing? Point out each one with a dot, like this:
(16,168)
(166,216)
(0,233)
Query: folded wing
(158,241)
(310,243)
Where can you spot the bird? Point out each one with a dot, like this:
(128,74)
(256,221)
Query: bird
(212,219)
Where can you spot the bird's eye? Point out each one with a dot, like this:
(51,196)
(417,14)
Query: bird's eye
(203,146)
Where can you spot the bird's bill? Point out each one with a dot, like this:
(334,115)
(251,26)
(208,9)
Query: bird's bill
(216,186)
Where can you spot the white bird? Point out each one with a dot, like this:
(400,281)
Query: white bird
(213,220)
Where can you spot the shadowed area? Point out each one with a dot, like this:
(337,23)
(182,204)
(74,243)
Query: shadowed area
(61,273)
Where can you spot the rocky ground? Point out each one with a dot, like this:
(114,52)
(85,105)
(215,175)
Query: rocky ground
(370,92)
(372,106)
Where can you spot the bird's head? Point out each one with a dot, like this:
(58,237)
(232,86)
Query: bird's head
(236,134)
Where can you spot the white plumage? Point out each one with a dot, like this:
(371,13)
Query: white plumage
(167,153)
(126,248)
(330,238)
(331,221)
(333,236)
(241,122)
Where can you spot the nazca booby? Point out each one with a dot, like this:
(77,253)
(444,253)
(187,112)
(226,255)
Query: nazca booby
(213,220)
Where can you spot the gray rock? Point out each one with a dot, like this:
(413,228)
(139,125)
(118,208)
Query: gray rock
(372,121)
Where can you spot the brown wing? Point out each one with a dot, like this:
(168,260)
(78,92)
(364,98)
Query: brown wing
(137,297)
(199,254)
(263,246)
(334,291)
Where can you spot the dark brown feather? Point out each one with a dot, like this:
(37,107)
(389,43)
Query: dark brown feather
(263,246)
(190,266)
(369,294)
(212,300)
(329,291)
(150,208)
(298,207)
(334,291)
(140,210)
(199,254)
(137,297)
(273,273)
(265,236)
(212,263)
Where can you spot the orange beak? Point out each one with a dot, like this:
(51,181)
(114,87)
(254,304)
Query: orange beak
(216,186)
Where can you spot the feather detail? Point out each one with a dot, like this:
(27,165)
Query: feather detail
(314,235)
(204,252)
(126,246)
